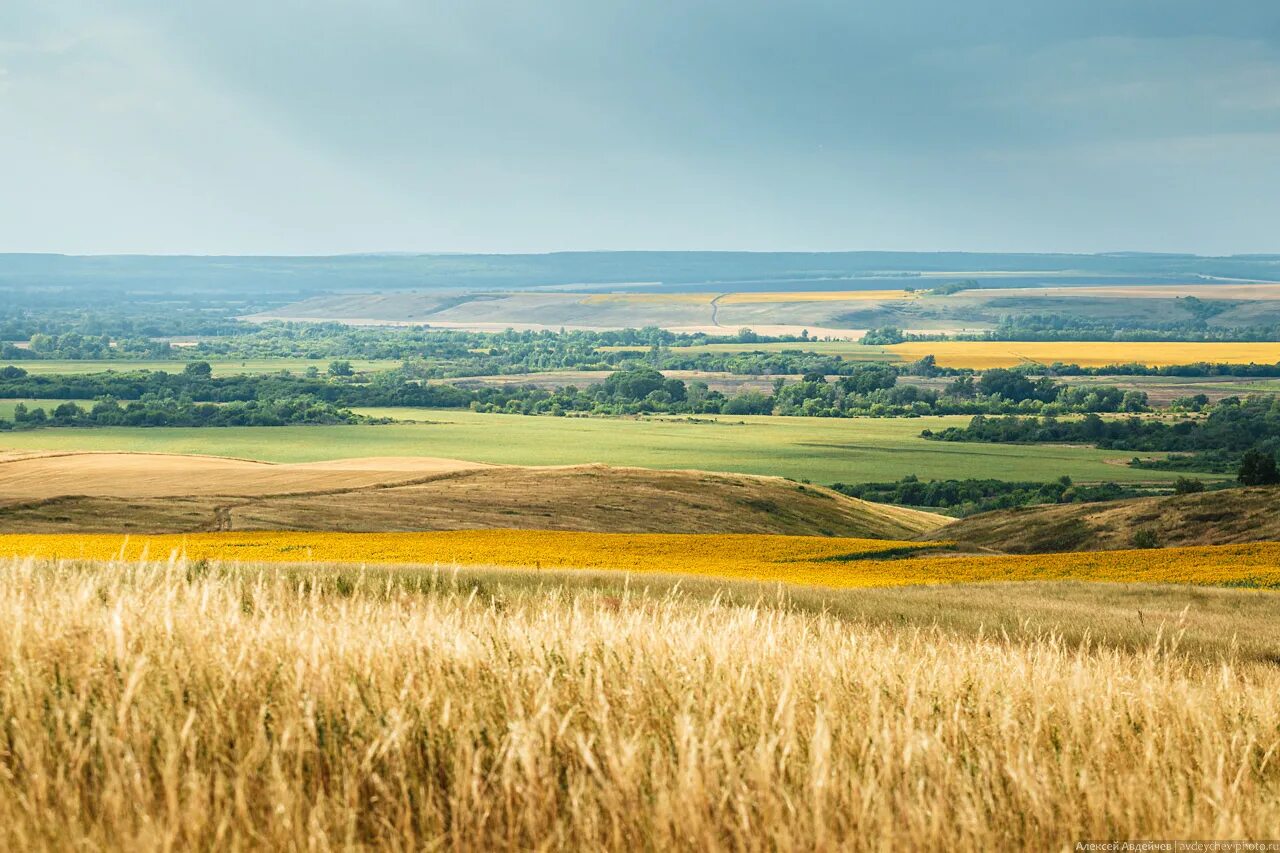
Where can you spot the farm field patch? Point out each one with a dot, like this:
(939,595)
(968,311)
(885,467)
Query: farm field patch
(988,354)
(796,559)
(754,298)
(802,560)
(156,475)
(822,450)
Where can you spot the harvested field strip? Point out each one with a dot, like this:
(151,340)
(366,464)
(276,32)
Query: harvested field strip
(37,476)
(813,296)
(805,560)
(649,299)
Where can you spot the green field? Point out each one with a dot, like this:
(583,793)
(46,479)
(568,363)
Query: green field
(224,367)
(7,406)
(818,449)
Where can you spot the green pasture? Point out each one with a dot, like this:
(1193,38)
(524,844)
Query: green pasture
(821,450)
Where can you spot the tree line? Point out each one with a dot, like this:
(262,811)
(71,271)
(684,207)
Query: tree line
(865,389)
(290,411)
(974,495)
(1217,442)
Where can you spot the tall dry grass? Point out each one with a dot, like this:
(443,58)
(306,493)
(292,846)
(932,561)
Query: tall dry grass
(171,706)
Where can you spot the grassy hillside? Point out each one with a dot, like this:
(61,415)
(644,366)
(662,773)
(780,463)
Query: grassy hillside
(149,493)
(823,450)
(194,708)
(1233,515)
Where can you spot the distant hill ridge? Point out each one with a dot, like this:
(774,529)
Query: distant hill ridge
(656,269)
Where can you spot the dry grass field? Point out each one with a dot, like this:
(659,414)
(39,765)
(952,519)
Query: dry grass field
(182,706)
(1208,518)
(45,475)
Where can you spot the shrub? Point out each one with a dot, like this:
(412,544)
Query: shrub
(1145,538)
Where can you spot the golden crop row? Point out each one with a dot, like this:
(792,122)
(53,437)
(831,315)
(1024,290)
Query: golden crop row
(806,560)
(988,354)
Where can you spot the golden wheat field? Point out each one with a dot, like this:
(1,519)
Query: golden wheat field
(982,355)
(805,560)
(173,706)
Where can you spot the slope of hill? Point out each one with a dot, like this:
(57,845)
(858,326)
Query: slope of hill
(1208,518)
(41,494)
(142,475)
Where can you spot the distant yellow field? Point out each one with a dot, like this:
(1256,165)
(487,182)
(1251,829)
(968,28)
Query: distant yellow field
(814,296)
(987,354)
(813,561)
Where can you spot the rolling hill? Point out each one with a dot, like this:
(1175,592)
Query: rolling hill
(170,493)
(1208,518)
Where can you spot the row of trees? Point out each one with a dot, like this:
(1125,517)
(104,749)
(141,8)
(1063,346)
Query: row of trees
(1217,442)
(865,390)
(966,497)
(183,413)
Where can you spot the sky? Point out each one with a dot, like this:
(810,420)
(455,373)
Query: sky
(335,126)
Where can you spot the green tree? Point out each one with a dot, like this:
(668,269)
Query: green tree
(198,370)
(1258,468)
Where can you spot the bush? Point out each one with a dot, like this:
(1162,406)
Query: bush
(1187,486)
(1145,538)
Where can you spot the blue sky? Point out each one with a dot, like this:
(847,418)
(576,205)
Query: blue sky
(326,126)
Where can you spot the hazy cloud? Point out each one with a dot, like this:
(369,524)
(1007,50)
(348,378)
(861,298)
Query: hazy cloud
(337,125)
